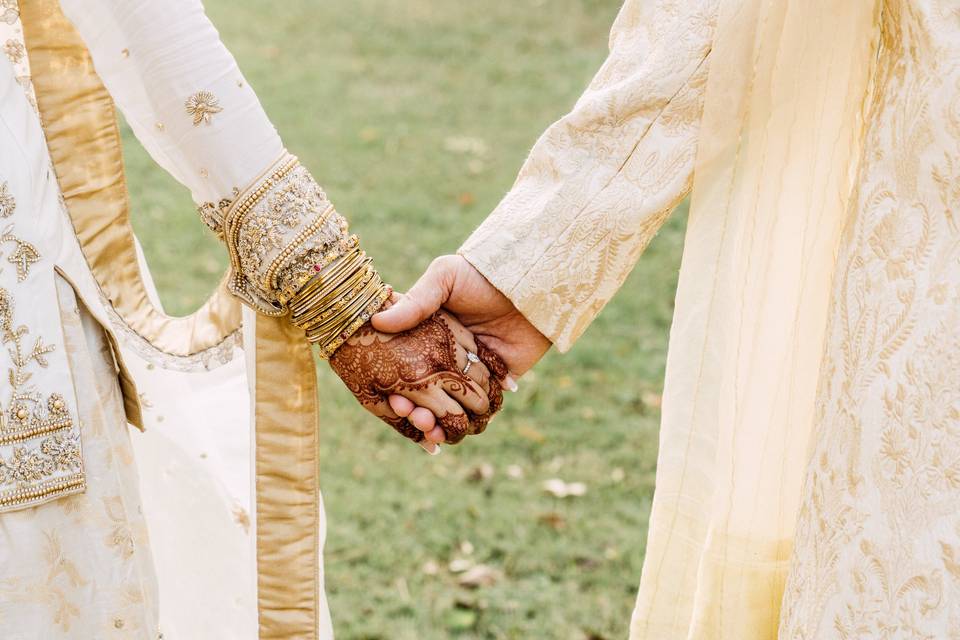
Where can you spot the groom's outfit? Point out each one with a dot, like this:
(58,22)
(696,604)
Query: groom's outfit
(807,474)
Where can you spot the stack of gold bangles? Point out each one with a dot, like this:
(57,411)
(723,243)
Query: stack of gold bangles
(339,299)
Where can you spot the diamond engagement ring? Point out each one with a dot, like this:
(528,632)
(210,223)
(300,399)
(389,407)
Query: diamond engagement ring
(471,359)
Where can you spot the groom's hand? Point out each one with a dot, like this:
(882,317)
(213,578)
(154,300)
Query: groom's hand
(454,284)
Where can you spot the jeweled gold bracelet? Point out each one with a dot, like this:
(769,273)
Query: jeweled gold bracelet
(342,295)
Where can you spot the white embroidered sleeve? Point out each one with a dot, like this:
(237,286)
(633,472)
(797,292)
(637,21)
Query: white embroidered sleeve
(187,102)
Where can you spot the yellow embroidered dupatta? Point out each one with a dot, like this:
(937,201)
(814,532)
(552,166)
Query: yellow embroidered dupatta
(779,148)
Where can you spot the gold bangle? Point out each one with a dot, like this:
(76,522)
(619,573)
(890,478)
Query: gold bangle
(320,294)
(330,323)
(322,313)
(331,326)
(330,348)
(309,278)
(328,316)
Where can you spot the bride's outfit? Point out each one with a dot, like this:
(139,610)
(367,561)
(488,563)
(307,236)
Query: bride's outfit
(225,477)
(808,480)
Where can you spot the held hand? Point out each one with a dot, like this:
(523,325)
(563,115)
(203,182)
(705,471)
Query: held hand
(455,285)
(424,365)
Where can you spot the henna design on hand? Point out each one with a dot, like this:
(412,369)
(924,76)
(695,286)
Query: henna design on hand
(374,365)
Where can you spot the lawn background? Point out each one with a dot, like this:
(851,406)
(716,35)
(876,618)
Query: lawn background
(415,117)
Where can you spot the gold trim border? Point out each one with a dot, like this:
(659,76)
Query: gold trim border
(287,482)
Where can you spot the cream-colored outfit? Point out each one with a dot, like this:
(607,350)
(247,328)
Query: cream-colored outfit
(807,475)
(225,538)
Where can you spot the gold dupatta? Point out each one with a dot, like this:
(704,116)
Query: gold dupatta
(780,142)
(81,130)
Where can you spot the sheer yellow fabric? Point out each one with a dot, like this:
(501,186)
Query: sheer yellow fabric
(780,141)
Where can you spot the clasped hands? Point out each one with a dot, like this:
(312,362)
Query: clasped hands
(413,366)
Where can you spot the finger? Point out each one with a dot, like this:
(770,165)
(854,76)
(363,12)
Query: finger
(495,364)
(476,371)
(422,419)
(401,406)
(401,425)
(466,392)
(430,447)
(510,384)
(424,298)
(436,435)
(450,416)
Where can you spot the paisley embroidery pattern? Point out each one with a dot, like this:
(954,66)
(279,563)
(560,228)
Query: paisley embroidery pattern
(877,551)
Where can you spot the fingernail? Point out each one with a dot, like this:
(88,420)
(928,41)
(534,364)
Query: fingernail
(511,384)
(436,450)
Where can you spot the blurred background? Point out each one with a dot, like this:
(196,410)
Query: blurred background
(415,116)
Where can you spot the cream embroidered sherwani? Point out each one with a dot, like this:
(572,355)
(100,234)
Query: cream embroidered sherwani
(225,538)
(835,494)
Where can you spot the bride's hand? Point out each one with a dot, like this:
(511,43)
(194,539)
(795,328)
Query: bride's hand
(424,367)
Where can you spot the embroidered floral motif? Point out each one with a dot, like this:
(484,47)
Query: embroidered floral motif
(23,256)
(27,413)
(202,105)
(8,204)
(55,453)
(14,51)
(9,11)
(212,214)
(275,234)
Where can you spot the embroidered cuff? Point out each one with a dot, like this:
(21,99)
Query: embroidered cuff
(290,252)
(275,231)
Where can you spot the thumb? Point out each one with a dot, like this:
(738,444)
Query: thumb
(422,300)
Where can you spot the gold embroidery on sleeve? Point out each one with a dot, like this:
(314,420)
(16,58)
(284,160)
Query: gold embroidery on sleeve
(202,105)
(271,228)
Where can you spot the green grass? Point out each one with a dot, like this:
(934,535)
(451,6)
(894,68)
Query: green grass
(415,116)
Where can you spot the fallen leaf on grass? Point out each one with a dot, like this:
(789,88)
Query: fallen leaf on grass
(560,489)
(465,145)
(651,399)
(480,576)
(481,472)
(515,471)
(553,520)
(527,432)
(459,565)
